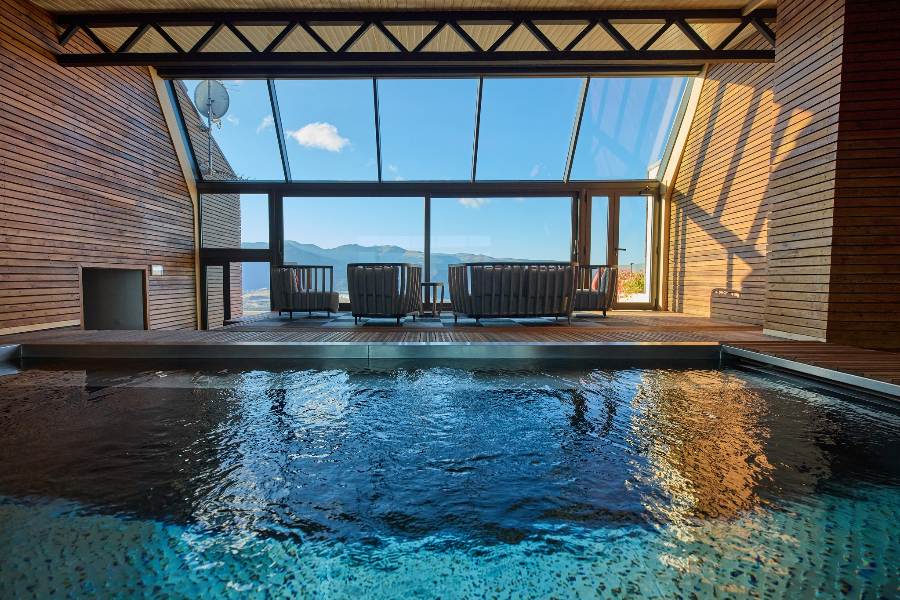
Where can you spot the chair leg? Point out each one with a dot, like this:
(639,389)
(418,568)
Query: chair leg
(414,318)
(455,319)
(292,315)
(398,320)
(356,320)
(604,313)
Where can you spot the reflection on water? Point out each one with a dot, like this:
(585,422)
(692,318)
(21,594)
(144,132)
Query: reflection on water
(523,482)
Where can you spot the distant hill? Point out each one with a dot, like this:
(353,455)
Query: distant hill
(256,275)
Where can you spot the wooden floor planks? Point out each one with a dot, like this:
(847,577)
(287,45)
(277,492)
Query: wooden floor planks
(873,364)
(618,328)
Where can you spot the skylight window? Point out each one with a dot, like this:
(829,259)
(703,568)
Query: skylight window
(526,125)
(247,136)
(625,126)
(427,128)
(329,129)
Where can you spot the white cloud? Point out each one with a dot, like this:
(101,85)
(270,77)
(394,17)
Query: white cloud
(319,135)
(534,171)
(269,121)
(398,178)
(392,168)
(472,202)
(371,162)
(232,119)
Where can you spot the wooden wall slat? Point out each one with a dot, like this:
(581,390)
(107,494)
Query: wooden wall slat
(801,188)
(865,272)
(89,175)
(718,216)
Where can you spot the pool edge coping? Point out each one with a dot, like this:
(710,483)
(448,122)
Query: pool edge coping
(816,372)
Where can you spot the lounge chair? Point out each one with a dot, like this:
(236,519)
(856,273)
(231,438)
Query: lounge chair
(597,288)
(482,290)
(391,290)
(303,288)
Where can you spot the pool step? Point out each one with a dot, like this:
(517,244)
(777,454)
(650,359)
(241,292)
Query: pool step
(376,350)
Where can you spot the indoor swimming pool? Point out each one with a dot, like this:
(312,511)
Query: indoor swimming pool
(512,481)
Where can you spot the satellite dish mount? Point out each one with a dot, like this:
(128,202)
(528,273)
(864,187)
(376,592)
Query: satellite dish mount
(211,100)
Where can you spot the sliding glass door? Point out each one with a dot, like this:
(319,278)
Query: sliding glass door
(621,233)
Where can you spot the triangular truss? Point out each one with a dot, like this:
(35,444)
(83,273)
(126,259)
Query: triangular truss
(431,43)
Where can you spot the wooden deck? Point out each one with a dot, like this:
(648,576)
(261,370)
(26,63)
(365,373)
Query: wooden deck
(622,327)
(871,364)
(622,335)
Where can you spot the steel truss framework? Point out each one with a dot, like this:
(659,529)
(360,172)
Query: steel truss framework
(533,43)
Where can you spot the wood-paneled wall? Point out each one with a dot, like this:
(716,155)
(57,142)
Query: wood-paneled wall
(864,287)
(828,257)
(718,212)
(88,174)
(801,187)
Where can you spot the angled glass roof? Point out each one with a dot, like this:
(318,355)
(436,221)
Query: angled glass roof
(247,136)
(445,130)
(329,128)
(526,125)
(426,128)
(625,126)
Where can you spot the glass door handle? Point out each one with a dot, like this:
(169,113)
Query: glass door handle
(622,249)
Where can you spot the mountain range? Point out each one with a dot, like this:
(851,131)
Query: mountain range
(256,275)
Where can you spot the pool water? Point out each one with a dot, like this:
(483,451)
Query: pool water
(528,481)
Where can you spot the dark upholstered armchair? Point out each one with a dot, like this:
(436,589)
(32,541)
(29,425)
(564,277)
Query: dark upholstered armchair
(303,288)
(596,288)
(384,290)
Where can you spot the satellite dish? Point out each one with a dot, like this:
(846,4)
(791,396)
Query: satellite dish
(211,99)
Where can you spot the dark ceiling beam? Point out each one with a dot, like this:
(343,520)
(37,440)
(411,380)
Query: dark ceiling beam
(412,189)
(244,65)
(168,38)
(649,43)
(263,63)
(134,38)
(344,18)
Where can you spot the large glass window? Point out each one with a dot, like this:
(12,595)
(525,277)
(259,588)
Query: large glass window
(427,128)
(526,126)
(625,126)
(338,231)
(329,129)
(235,220)
(247,136)
(498,229)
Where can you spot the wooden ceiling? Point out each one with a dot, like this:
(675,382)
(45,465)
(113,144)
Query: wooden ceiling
(94,6)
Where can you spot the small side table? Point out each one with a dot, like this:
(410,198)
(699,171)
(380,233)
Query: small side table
(432,287)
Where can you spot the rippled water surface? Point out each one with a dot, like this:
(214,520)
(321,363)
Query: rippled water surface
(517,482)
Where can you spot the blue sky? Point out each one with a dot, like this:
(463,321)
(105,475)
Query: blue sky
(427,129)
